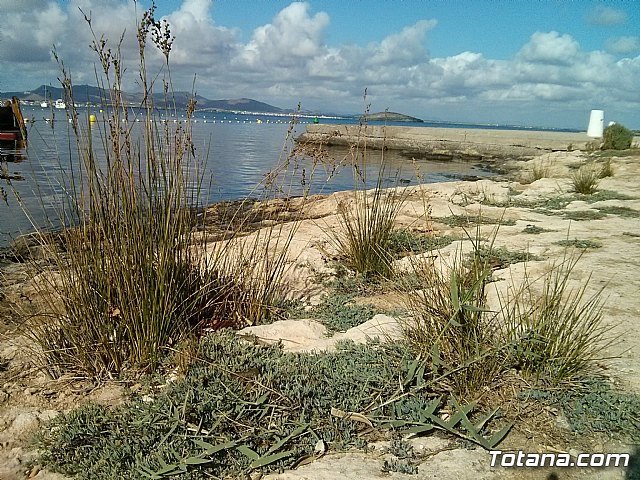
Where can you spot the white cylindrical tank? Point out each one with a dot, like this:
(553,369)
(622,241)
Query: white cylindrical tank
(596,124)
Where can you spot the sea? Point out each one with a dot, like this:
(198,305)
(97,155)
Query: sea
(238,152)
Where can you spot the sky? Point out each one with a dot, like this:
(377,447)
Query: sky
(523,62)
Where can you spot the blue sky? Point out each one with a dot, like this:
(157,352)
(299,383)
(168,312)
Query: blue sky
(495,28)
(527,62)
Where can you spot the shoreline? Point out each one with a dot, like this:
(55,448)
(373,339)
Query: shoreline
(448,143)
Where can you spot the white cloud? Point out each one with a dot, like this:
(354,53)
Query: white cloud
(550,48)
(606,16)
(292,37)
(404,48)
(623,45)
(288,60)
(195,31)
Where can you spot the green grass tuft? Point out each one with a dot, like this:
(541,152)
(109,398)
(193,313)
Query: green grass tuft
(580,215)
(584,244)
(471,220)
(585,180)
(555,337)
(606,170)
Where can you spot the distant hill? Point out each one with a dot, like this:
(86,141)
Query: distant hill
(390,117)
(88,94)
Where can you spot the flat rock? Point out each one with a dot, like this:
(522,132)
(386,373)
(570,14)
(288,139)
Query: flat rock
(309,335)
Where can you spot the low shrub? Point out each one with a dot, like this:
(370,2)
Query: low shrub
(616,137)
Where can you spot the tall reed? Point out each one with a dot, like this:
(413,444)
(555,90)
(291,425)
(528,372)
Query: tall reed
(367,226)
(555,335)
(134,275)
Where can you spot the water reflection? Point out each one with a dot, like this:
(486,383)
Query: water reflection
(13,151)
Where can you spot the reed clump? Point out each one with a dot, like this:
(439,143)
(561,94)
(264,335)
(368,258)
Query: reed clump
(555,335)
(549,332)
(134,276)
(585,180)
(366,238)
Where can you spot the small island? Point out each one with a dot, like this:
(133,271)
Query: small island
(389,117)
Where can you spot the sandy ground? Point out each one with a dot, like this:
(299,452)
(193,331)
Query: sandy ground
(28,397)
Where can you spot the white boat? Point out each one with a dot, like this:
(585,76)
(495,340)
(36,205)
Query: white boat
(60,103)
(44,103)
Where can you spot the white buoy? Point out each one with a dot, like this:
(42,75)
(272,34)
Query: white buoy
(596,124)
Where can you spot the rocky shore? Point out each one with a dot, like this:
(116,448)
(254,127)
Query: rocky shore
(450,143)
(604,226)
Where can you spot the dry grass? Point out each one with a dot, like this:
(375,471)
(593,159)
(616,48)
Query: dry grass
(134,276)
(556,335)
(448,324)
(585,180)
(367,226)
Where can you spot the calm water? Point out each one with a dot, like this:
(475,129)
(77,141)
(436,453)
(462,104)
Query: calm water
(239,151)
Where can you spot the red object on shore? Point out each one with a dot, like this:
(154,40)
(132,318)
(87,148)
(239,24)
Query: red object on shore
(12,125)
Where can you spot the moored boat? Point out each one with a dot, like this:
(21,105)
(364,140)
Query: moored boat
(12,125)
(60,103)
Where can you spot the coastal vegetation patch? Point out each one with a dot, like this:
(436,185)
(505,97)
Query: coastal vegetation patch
(535,230)
(619,211)
(472,220)
(595,407)
(630,152)
(501,257)
(616,137)
(585,180)
(247,408)
(579,243)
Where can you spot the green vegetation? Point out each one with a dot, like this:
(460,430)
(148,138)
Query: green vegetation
(620,211)
(585,180)
(367,226)
(338,312)
(555,337)
(616,137)
(446,324)
(630,152)
(584,244)
(535,230)
(133,277)
(405,242)
(579,215)
(606,170)
(471,220)
(539,170)
(245,408)
(501,257)
(596,407)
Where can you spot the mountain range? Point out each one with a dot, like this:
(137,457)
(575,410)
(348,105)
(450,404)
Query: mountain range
(83,94)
